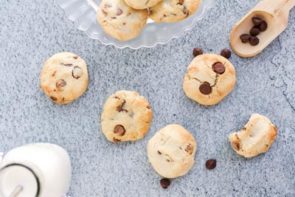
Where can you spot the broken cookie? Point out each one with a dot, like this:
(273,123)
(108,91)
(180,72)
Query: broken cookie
(255,138)
(126,116)
(209,78)
(171,151)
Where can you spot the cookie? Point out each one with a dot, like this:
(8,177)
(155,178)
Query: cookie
(64,77)
(173,10)
(209,79)
(171,151)
(126,116)
(255,138)
(121,21)
(142,4)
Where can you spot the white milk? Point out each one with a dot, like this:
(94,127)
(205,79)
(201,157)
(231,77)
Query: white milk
(42,170)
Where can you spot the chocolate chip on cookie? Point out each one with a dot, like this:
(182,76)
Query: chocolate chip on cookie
(69,65)
(165,183)
(61,83)
(218,68)
(77,72)
(120,107)
(189,149)
(119,130)
(205,88)
(225,53)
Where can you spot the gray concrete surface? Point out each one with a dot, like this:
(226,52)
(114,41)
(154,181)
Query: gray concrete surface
(31,31)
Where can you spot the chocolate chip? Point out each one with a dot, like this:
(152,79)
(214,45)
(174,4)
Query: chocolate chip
(159,152)
(119,130)
(225,53)
(211,164)
(61,83)
(254,31)
(197,51)
(205,88)
(69,65)
(257,20)
(119,12)
(77,72)
(120,107)
(218,68)
(53,98)
(75,57)
(254,41)
(245,38)
(180,2)
(263,26)
(53,74)
(165,183)
(116,140)
(189,149)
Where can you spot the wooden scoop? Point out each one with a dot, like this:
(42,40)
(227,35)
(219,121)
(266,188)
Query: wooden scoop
(274,12)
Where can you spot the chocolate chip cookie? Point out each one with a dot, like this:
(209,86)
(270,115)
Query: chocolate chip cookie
(142,4)
(171,151)
(209,79)
(126,116)
(173,10)
(121,21)
(64,77)
(255,138)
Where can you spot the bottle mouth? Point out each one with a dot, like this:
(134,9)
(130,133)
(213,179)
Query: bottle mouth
(30,170)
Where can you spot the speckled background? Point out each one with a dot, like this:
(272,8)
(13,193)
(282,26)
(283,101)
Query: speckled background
(31,31)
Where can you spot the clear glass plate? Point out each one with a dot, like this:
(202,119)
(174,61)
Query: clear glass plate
(83,14)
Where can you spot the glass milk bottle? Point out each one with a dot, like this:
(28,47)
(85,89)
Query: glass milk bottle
(35,170)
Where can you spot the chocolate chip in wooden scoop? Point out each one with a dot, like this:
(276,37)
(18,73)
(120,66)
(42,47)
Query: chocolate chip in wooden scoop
(257,20)
(225,53)
(254,31)
(165,183)
(205,88)
(245,38)
(218,68)
(263,26)
(211,164)
(119,130)
(254,40)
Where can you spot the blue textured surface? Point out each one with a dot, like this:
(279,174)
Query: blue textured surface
(31,31)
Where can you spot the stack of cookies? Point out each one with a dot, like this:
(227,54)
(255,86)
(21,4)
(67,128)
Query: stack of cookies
(125,19)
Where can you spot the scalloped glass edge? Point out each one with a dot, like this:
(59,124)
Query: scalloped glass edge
(83,14)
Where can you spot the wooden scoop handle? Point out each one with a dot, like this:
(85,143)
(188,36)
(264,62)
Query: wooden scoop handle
(275,7)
